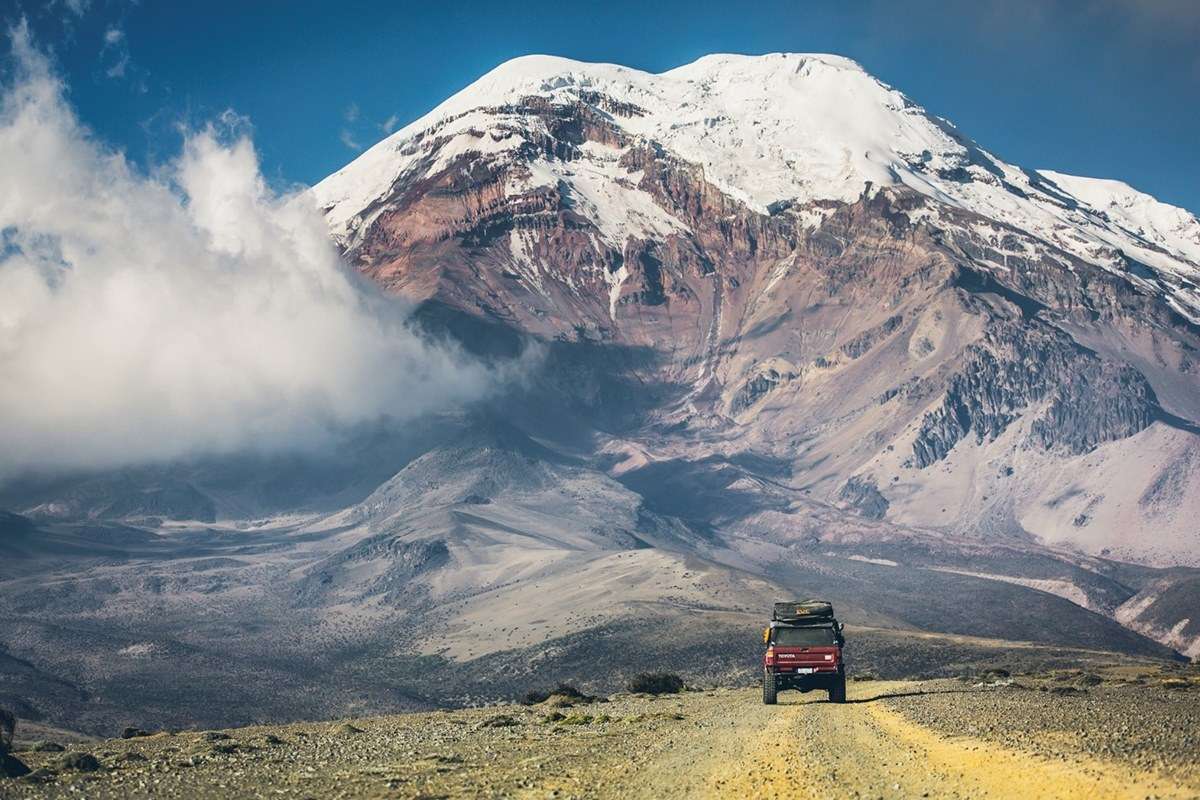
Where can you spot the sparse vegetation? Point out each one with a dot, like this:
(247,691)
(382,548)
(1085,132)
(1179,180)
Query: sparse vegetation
(77,762)
(577,719)
(1065,690)
(500,721)
(566,693)
(656,683)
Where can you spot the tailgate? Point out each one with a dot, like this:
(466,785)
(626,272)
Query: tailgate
(817,657)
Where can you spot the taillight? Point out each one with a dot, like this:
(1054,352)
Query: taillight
(770,656)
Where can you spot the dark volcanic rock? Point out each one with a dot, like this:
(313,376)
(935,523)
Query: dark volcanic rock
(862,494)
(78,762)
(758,387)
(1090,401)
(864,341)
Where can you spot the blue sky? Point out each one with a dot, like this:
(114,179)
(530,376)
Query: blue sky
(1107,88)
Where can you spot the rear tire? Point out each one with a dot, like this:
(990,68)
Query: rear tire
(769,689)
(837,692)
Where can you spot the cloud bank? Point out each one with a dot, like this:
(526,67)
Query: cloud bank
(192,311)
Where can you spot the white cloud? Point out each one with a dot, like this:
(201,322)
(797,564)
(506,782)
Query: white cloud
(115,50)
(77,7)
(192,311)
(390,123)
(117,70)
(351,112)
(348,139)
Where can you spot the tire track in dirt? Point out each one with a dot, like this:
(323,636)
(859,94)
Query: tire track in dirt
(864,749)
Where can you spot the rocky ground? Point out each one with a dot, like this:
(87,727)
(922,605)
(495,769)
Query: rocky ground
(1117,732)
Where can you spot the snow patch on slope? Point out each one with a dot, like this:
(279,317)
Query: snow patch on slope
(602,191)
(1060,588)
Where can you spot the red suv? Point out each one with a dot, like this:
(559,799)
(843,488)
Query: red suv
(804,651)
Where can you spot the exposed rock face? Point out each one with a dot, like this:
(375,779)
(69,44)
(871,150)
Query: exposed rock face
(814,331)
(869,338)
(383,566)
(1012,372)
(762,381)
(862,494)
(130,494)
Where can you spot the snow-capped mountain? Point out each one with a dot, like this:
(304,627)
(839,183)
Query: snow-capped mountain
(825,274)
(781,130)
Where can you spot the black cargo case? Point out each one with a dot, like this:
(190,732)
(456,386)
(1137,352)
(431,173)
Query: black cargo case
(803,611)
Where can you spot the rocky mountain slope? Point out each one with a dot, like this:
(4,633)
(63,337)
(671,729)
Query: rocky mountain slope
(784,332)
(819,272)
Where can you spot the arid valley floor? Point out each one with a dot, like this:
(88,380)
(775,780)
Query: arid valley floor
(1119,732)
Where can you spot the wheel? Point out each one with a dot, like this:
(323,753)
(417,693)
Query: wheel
(769,689)
(837,692)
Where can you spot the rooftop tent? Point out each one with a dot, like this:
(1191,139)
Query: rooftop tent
(803,611)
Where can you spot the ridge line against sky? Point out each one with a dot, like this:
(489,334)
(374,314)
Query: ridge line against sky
(1103,88)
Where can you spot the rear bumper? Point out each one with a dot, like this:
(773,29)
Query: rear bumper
(812,680)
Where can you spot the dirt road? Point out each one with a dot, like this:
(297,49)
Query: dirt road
(1119,739)
(866,749)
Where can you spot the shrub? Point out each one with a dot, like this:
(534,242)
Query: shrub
(79,762)
(536,696)
(500,721)
(577,719)
(656,683)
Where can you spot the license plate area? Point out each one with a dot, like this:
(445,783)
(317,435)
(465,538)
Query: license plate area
(805,670)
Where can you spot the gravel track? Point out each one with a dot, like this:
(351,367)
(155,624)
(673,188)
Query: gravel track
(948,739)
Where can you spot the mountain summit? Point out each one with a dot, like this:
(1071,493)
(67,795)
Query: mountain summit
(771,131)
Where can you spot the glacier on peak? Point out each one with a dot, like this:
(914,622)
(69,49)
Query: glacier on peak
(793,128)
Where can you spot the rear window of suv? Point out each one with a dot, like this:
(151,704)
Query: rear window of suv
(804,637)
